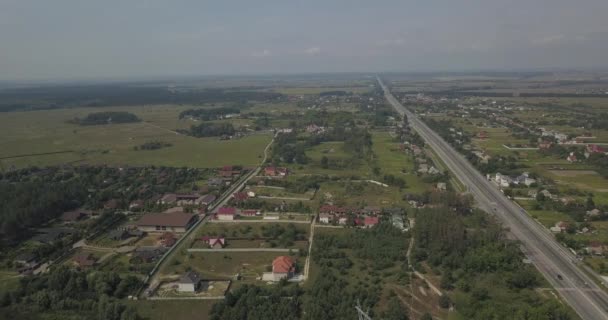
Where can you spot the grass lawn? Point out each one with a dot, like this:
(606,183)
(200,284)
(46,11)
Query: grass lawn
(9,280)
(361,194)
(223,265)
(173,309)
(546,218)
(47,131)
(245,230)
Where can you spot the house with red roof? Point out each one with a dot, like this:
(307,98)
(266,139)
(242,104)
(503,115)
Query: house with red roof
(240,196)
(84,260)
(217,243)
(250,212)
(283,267)
(369,222)
(275,171)
(226,213)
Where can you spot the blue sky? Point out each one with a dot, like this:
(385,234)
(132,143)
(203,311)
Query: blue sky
(72,39)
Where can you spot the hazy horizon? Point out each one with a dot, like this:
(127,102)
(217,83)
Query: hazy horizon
(70,40)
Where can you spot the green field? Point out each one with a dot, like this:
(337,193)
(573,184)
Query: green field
(173,309)
(40,132)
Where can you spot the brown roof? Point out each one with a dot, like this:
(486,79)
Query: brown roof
(283,264)
(71,215)
(176,219)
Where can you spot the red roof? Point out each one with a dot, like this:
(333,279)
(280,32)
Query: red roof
(227,168)
(370,221)
(227,211)
(249,212)
(240,196)
(594,148)
(175,219)
(283,264)
(84,259)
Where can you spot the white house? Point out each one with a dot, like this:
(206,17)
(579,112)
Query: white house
(325,218)
(189,282)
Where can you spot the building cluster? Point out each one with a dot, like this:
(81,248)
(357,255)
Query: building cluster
(505,181)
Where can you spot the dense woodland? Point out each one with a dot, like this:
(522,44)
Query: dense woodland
(73,294)
(209,113)
(482,270)
(26,99)
(109,117)
(207,129)
(31,197)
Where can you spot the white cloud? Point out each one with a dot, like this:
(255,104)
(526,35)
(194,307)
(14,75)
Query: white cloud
(262,54)
(313,51)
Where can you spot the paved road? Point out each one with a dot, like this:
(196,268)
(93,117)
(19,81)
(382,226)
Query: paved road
(577,288)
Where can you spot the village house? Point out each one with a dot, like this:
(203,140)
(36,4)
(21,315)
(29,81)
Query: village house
(325,217)
(442,186)
(502,180)
(343,220)
(571,157)
(595,248)
(26,261)
(136,205)
(111,204)
(72,216)
(250,213)
(482,135)
(216,182)
(560,226)
(593,148)
(240,196)
(283,267)
(314,129)
(275,171)
(226,213)
(189,282)
(483,157)
(593,213)
(205,200)
(175,222)
(167,239)
(369,222)
(214,242)
(84,260)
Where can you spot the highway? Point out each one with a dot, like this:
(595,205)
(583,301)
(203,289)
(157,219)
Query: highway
(576,287)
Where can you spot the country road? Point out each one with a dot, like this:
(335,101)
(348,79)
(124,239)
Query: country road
(577,288)
(153,277)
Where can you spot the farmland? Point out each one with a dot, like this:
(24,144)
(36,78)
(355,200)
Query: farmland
(45,138)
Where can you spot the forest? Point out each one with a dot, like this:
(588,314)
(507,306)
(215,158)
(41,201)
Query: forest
(73,294)
(482,271)
(55,97)
(209,114)
(211,130)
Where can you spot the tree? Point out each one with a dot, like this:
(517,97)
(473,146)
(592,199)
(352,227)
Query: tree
(444,301)
(395,310)
(324,162)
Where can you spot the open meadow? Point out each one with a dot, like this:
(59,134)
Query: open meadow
(46,138)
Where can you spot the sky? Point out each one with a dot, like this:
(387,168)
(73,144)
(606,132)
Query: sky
(76,39)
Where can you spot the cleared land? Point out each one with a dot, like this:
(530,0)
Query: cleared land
(42,134)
